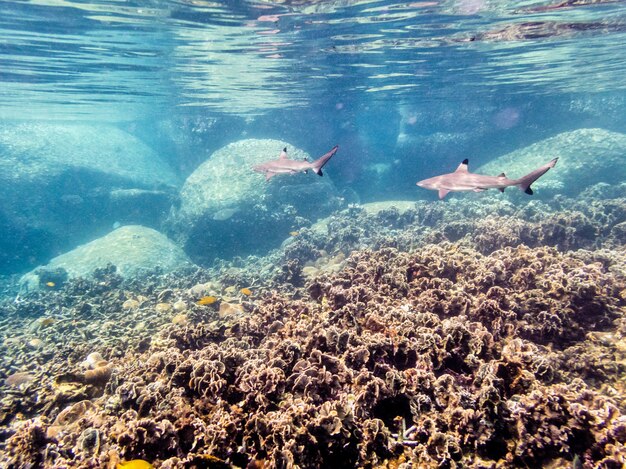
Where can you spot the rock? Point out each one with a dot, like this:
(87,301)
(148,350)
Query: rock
(140,206)
(402,206)
(132,249)
(226,209)
(586,157)
(63,182)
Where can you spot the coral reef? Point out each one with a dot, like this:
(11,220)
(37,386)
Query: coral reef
(475,333)
(488,224)
(438,357)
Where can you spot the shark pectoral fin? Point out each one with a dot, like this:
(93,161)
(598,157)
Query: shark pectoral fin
(501,189)
(443,193)
(479,189)
(269,176)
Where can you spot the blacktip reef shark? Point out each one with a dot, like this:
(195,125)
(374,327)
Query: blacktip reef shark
(283,165)
(463,180)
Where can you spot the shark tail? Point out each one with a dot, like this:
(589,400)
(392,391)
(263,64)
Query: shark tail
(319,163)
(524,182)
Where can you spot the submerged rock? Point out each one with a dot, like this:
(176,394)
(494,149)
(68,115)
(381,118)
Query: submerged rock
(62,181)
(586,157)
(226,209)
(132,249)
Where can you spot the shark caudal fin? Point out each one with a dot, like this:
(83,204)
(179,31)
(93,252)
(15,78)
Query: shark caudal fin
(524,182)
(319,163)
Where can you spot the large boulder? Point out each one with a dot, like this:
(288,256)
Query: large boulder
(132,249)
(63,182)
(226,209)
(586,157)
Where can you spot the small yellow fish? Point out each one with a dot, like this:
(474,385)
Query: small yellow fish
(246,291)
(134,464)
(50,284)
(45,322)
(207,300)
(294,233)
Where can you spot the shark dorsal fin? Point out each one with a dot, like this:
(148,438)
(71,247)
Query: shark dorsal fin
(501,175)
(463,166)
(283,154)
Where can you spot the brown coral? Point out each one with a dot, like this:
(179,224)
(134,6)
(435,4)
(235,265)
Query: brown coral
(438,357)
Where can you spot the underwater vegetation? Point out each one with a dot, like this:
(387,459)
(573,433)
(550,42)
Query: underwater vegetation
(475,333)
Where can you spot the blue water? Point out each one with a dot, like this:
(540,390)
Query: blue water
(161,301)
(407,89)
